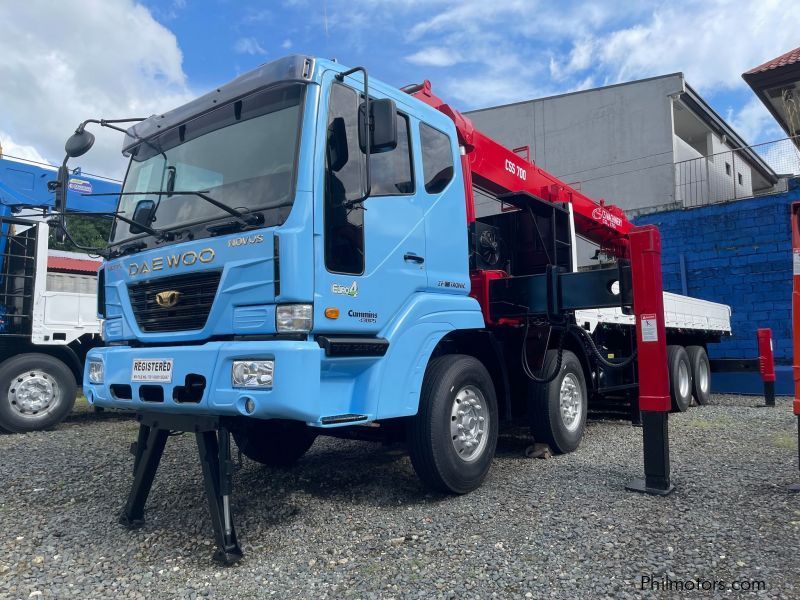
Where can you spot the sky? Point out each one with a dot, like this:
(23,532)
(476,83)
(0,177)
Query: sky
(63,62)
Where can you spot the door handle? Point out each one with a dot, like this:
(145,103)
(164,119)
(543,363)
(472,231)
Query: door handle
(410,257)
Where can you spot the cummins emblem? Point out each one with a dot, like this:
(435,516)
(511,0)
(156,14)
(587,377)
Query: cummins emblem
(168,299)
(172,261)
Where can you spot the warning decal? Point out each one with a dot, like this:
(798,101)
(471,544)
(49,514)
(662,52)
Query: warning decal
(796,262)
(649,328)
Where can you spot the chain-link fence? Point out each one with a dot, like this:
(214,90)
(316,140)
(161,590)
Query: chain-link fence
(729,175)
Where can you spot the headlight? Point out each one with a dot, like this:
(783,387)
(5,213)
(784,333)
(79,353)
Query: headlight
(293,318)
(252,373)
(96,371)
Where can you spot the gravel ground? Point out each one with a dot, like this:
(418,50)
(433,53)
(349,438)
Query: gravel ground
(351,519)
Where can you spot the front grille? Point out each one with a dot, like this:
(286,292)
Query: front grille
(196,295)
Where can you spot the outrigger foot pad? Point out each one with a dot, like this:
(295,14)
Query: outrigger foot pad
(213,444)
(131,524)
(640,485)
(227,558)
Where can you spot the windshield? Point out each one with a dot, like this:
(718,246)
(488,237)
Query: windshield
(242,154)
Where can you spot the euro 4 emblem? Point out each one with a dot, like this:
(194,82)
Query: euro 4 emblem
(345,290)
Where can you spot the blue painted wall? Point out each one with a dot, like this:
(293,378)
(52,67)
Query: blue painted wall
(739,253)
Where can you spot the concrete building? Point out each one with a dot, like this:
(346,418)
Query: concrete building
(646,146)
(655,148)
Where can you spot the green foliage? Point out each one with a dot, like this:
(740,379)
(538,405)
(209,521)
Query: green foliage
(92,232)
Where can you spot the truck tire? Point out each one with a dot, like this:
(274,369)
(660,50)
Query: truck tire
(701,373)
(453,436)
(558,416)
(680,378)
(275,443)
(37,391)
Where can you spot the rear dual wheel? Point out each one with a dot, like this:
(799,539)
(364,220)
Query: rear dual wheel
(701,373)
(559,408)
(689,375)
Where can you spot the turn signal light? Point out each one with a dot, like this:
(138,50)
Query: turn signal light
(332,313)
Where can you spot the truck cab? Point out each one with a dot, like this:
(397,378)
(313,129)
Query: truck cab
(322,301)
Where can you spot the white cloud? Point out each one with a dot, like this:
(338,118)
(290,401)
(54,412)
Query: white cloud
(434,56)
(12,149)
(61,63)
(287,43)
(712,41)
(753,122)
(249,45)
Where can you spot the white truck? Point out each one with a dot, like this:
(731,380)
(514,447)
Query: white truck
(48,322)
(691,324)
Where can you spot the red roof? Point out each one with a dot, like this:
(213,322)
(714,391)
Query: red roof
(61,263)
(784,60)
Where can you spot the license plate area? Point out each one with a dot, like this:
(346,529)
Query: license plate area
(156,370)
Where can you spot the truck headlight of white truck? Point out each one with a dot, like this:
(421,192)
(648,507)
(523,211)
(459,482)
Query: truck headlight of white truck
(252,373)
(96,371)
(293,318)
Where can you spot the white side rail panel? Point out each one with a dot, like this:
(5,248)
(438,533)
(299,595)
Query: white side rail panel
(59,318)
(680,312)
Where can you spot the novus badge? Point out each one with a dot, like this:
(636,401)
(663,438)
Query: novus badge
(345,290)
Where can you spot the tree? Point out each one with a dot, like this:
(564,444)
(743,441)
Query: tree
(91,232)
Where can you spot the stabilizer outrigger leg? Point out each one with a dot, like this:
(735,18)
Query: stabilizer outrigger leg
(213,444)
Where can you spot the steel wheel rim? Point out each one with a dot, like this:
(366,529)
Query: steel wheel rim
(33,394)
(469,423)
(683,379)
(703,377)
(570,401)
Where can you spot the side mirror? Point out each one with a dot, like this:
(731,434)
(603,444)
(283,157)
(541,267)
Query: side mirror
(79,143)
(142,215)
(59,189)
(383,122)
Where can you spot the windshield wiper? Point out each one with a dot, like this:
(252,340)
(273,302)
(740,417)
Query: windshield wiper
(244,218)
(148,230)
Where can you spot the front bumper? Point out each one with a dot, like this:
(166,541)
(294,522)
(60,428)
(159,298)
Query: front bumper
(295,393)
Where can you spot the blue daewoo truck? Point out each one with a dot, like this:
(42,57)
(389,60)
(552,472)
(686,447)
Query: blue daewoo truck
(300,252)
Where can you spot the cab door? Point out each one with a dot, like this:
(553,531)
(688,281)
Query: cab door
(373,252)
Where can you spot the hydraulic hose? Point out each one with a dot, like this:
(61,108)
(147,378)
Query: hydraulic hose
(582,336)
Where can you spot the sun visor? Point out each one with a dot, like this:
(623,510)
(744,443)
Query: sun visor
(290,68)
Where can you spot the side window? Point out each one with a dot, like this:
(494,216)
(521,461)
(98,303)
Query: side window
(437,158)
(344,225)
(391,171)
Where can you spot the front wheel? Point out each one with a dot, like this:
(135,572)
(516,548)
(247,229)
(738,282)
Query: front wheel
(453,437)
(37,391)
(275,442)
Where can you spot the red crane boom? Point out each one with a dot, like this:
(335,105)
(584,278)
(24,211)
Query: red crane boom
(495,168)
(491,166)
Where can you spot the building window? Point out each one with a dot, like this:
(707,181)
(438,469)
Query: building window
(741,179)
(727,168)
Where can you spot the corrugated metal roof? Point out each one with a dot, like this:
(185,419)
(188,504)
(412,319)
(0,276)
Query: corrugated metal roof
(80,265)
(784,60)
